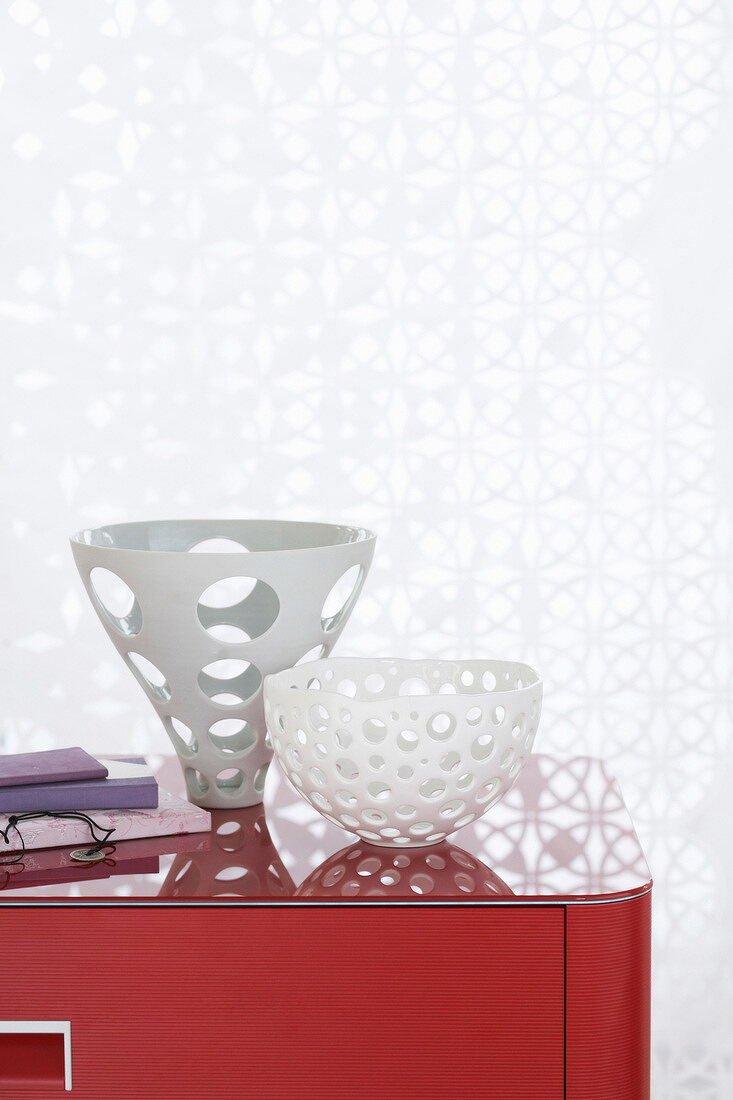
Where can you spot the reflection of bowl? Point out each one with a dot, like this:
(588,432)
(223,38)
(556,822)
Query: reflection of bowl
(362,871)
(402,753)
(241,861)
(201,610)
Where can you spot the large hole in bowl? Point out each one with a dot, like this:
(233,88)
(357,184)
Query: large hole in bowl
(116,601)
(230,781)
(230,682)
(181,735)
(341,598)
(230,836)
(218,546)
(196,782)
(187,880)
(232,736)
(237,609)
(149,677)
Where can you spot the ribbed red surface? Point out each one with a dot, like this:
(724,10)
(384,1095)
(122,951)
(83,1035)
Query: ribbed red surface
(304,1002)
(608,998)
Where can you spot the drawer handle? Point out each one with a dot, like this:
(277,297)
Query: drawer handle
(35,1054)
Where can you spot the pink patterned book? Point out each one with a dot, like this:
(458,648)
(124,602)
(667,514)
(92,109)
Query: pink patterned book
(172,817)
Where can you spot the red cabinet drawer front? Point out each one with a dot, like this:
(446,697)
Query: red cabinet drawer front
(297,1002)
(608,1000)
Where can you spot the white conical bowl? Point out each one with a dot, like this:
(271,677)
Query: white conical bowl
(202,610)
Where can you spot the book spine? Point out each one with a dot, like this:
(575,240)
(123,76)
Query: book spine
(73,833)
(28,778)
(121,798)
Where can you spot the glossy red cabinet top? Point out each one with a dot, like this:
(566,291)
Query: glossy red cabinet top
(562,833)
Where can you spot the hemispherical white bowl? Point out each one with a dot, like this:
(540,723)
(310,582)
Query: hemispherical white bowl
(201,610)
(400,752)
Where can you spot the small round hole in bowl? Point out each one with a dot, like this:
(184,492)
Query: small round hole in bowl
(441,726)
(482,747)
(347,769)
(375,683)
(375,731)
(407,740)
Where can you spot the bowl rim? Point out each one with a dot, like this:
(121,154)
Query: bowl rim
(363,536)
(278,680)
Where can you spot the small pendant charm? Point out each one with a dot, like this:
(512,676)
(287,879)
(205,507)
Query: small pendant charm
(88,855)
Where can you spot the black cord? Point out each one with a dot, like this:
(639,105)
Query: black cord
(100,841)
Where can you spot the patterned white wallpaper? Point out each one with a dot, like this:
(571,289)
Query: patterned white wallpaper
(405,265)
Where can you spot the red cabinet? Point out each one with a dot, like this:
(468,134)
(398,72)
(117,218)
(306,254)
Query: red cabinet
(234,967)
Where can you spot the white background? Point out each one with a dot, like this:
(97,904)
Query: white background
(460,272)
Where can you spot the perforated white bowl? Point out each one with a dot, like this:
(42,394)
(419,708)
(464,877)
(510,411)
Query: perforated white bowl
(403,753)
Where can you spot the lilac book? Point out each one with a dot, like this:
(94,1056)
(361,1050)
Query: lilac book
(51,766)
(130,785)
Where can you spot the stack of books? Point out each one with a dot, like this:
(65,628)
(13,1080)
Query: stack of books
(119,793)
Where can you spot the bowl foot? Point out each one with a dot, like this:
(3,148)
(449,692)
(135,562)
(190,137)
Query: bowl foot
(233,788)
(386,843)
(215,800)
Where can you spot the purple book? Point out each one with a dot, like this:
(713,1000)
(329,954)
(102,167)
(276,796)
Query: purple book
(51,766)
(130,785)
